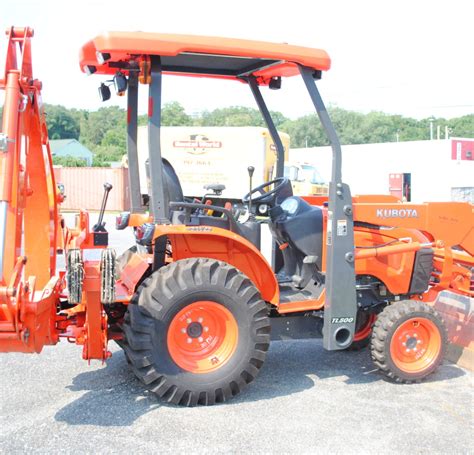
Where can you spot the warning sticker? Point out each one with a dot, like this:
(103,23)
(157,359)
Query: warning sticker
(341,227)
(329,229)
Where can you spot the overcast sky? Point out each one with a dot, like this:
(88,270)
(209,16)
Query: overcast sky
(414,58)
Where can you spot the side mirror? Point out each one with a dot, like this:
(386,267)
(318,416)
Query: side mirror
(104,92)
(120,83)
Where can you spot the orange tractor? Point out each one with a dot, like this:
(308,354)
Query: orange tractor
(194,304)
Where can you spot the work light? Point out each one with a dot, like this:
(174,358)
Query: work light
(120,83)
(104,92)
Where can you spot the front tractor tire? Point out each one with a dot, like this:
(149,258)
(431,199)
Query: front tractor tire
(197,332)
(409,341)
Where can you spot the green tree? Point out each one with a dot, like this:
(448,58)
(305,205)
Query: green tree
(406,129)
(378,127)
(100,161)
(69,161)
(114,138)
(95,125)
(305,131)
(62,123)
(109,153)
(104,131)
(348,124)
(278,118)
(173,114)
(231,116)
(462,126)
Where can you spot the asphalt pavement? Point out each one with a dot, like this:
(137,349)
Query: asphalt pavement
(306,400)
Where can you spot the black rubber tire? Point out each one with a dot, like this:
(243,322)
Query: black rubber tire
(161,297)
(385,326)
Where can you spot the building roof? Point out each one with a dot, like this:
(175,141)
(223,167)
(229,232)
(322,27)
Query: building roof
(70,147)
(200,55)
(57,144)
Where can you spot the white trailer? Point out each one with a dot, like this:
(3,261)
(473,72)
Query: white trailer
(205,155)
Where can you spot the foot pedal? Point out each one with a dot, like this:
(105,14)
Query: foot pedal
(307,271)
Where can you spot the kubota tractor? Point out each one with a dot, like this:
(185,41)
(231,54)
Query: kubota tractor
(194,304)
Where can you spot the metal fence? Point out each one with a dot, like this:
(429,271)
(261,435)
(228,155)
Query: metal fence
(84,187)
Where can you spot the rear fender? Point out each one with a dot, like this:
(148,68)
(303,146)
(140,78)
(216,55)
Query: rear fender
(223,245)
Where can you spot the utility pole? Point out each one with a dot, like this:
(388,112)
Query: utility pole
(431,119)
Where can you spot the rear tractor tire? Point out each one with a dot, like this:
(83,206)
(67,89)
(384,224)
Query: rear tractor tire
(409,341)
(197,332)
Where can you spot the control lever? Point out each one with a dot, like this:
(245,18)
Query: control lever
(100,225)
(250,170)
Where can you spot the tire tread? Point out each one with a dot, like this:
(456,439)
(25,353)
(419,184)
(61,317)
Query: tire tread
(386,321)
(162,285)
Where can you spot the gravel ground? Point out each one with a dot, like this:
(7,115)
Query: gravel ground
(306,400)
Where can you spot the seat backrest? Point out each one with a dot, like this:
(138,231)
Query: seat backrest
(172,185)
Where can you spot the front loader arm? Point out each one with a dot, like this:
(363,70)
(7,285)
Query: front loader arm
(449,222)
(449,226)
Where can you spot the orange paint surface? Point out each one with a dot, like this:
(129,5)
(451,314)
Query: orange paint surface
(123,45)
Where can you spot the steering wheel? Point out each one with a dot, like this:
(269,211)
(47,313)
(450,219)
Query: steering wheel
(280,183)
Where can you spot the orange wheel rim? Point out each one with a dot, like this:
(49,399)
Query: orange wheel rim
(366,329)
(202,337)
(415,345)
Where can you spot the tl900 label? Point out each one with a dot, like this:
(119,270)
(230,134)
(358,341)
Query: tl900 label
(342,320)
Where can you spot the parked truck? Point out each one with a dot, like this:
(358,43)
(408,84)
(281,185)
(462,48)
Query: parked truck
(211,155)
(305,179)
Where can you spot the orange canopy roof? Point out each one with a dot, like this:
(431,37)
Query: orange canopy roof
(202,55)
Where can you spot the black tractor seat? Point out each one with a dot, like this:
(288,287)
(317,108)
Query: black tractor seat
(216,188)
(194,213)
